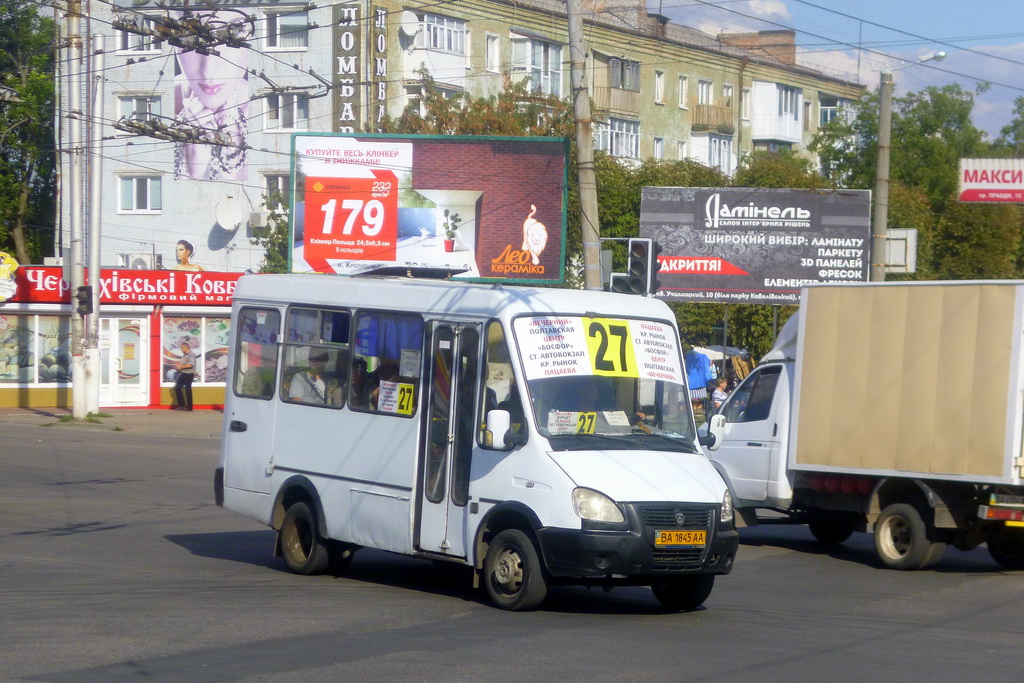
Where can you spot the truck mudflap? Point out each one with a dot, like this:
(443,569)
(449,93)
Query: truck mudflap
(654,541)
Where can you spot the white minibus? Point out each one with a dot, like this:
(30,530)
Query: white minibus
(543,437)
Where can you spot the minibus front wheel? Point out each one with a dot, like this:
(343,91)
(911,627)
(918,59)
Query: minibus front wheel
(513,574)
(303,550)
(684,593)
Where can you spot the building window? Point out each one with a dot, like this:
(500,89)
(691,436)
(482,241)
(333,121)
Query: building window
(288,30)
(541,61)
(288,111)
(745,105)
(830,108)
(492,60)
(140,109)
(682,92)
(618,137)
(624,74)
(659,148)
(133,42)
(442,33)
(727,96)
(278,191)
(681,149)
(720,152)
(704,91)
(140,194)
(659,87)
(789,98)
(807,116)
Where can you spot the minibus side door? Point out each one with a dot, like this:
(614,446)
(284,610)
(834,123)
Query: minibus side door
(449,438)
(250,409)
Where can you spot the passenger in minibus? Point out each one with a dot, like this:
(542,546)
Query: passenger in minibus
(310,385)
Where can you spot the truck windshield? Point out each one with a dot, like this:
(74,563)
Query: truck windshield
(601,383)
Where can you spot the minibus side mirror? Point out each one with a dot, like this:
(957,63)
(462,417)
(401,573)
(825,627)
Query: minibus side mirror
(498,432)
(715,433)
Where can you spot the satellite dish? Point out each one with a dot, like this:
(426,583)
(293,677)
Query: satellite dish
(229,213)
(408,24)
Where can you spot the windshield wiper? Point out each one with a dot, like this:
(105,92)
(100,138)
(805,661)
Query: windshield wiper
(633,443)
(678,440)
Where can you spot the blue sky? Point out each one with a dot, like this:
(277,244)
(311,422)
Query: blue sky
(983,40)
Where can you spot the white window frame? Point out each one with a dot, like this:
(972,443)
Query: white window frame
(720,152)
(150,111)
(659,148)
(789,98)
(681,149)
(277,183)
(134,42)
(705,91)
(541,61)
(285,24)
(618,137)
(683,80)
(441,34)
(727,95)
(129,188)
(659,87)
(492,52)
(746,106)
(277,112)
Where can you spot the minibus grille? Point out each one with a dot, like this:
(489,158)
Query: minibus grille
(662,517)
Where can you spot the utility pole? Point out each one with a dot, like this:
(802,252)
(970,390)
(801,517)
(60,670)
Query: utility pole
(589,225)
(92,337)
(880,217)
(75,178)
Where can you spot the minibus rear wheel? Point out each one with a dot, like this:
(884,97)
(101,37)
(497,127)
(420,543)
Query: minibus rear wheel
(303,550)
(513,574)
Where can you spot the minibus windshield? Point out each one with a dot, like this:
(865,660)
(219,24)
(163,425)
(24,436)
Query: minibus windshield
(604,383)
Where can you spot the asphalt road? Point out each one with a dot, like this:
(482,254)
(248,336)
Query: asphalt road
(115,565)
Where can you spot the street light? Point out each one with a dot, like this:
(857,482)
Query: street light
(881,216)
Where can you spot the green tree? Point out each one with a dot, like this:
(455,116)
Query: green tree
(274,238)
(1011,138)
(27,161)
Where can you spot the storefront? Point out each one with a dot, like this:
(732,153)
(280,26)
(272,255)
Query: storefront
(145,316)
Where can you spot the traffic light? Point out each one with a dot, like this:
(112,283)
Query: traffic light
(83,299)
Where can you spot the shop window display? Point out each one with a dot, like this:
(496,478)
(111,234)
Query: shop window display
(206,336)
(34,349)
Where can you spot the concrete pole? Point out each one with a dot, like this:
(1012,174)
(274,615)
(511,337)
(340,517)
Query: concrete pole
(589,224)
(92,337)
(880,220)
(75,180)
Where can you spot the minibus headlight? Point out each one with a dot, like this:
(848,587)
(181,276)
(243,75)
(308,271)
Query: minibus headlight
(596,507)
(727,511)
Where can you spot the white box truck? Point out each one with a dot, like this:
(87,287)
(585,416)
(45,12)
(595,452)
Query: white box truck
(888,407)
(540,436)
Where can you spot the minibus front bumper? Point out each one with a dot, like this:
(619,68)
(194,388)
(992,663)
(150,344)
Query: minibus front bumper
(633,552)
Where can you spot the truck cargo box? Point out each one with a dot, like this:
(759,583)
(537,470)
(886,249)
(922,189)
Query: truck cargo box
(920,379)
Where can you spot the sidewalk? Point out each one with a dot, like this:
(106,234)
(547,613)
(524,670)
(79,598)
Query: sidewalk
(155,421)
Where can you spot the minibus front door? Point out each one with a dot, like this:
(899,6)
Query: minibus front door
(449,438)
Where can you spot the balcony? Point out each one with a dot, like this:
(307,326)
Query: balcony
(709,116)
(617,100)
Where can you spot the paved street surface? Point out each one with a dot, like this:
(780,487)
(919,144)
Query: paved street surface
(115,565)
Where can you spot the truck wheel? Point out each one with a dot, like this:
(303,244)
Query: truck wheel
(901,539)
(684,593)
(513,574)
(1007,548)
(830,531)
(303,550)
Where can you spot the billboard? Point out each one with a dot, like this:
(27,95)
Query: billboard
(992,180)
(755,245)
(491,207)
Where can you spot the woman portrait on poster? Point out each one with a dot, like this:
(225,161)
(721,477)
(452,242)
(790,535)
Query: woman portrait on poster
(212,94)
(183,252)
